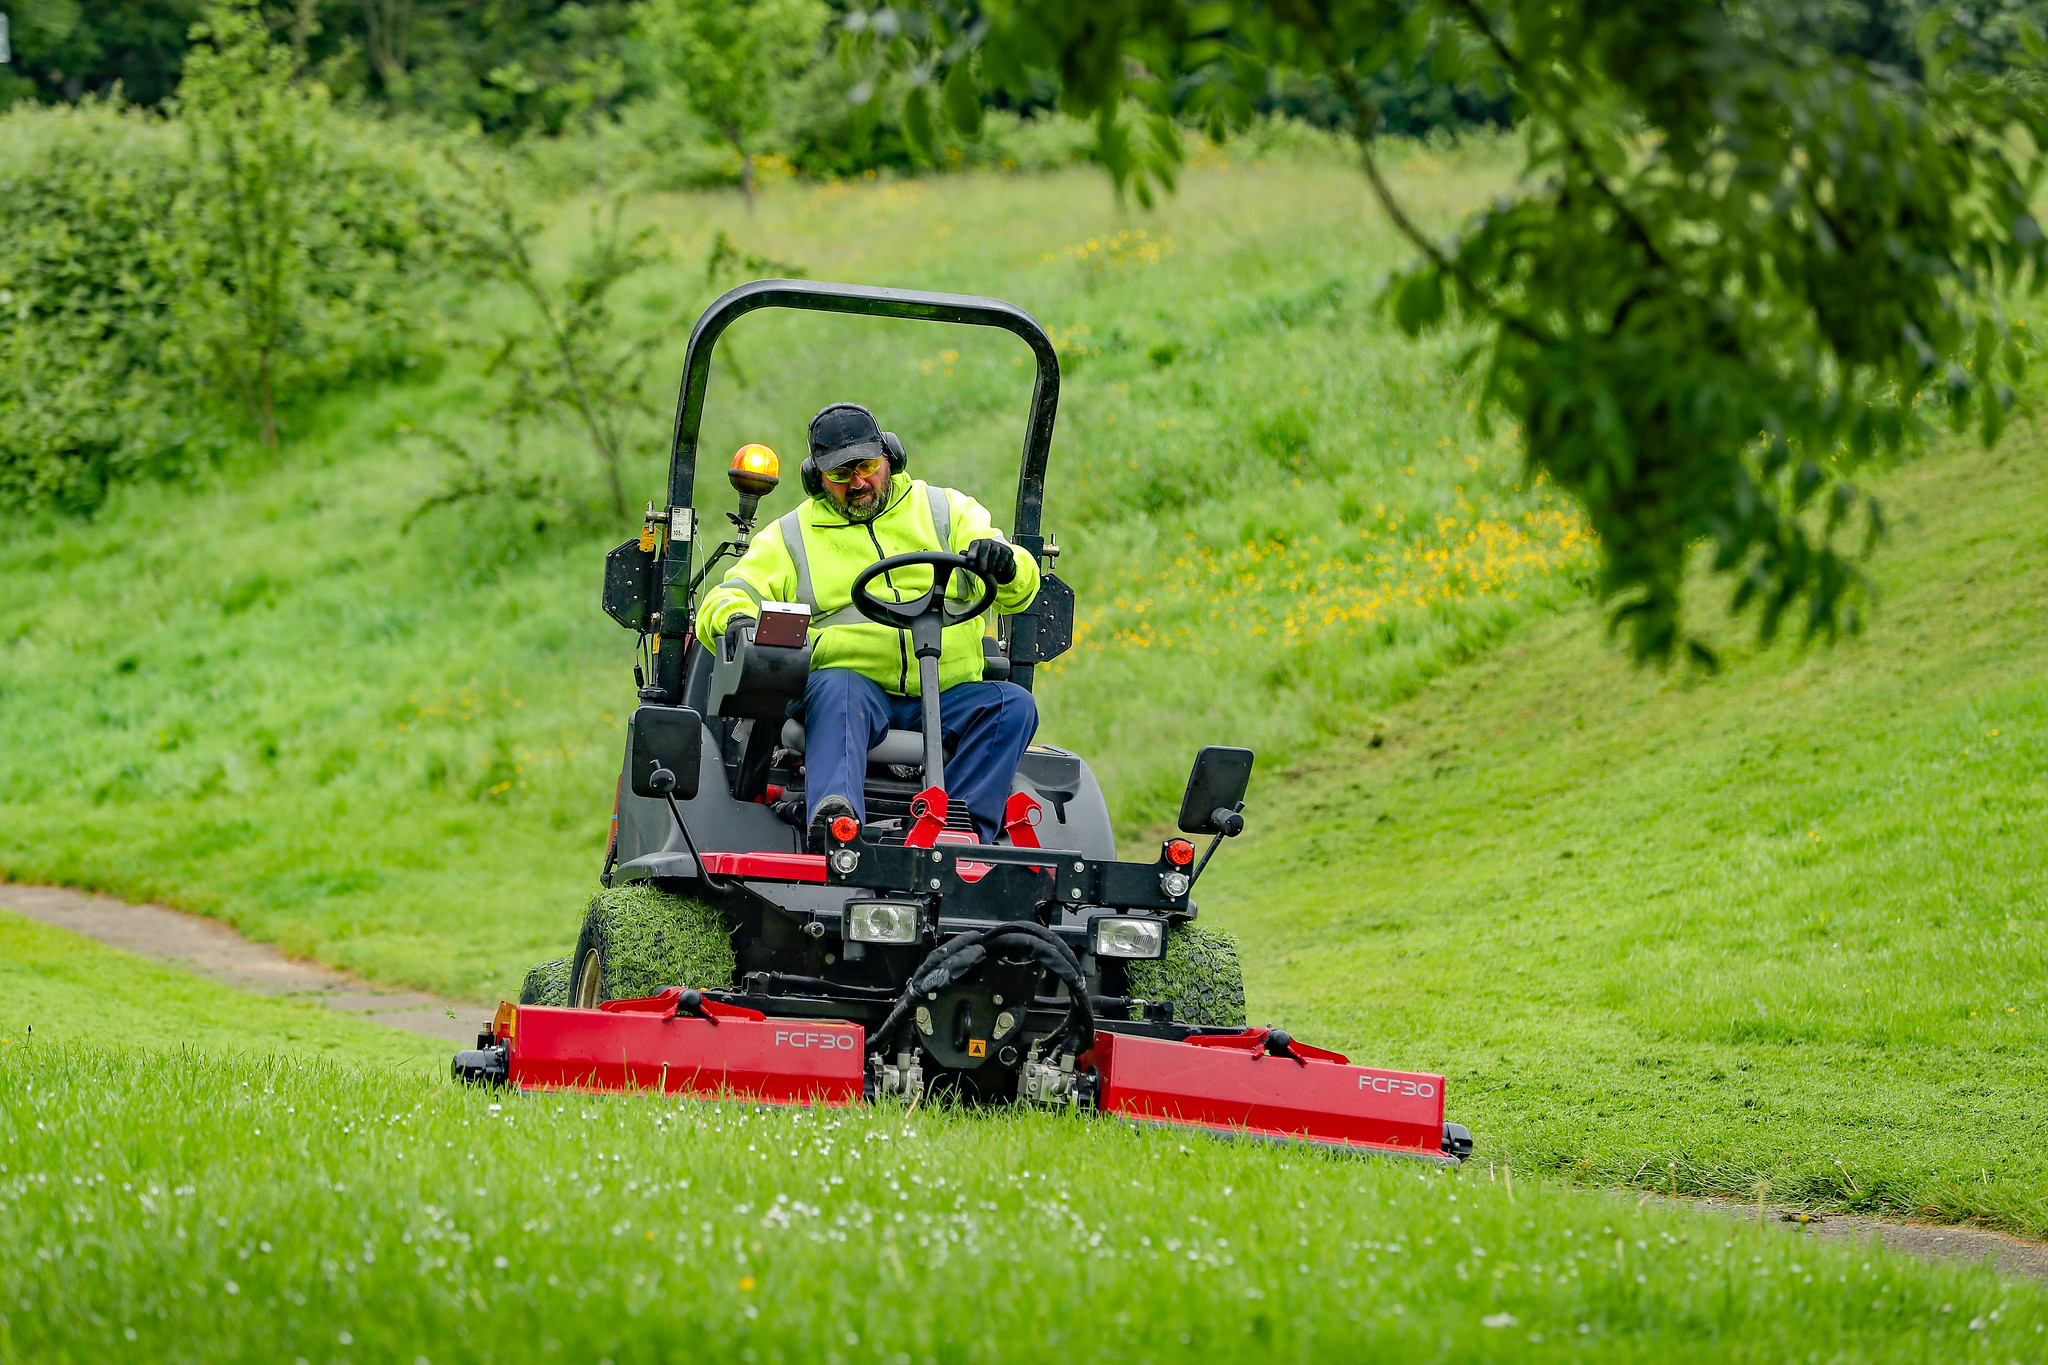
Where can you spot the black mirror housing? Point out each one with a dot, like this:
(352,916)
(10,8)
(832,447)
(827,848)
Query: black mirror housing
(670,739)
(631,585)
(1216,789)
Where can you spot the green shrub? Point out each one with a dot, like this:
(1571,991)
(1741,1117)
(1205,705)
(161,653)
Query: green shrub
(114,278)
(83,301)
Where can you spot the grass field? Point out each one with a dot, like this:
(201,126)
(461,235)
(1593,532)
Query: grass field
(178,1207)
(57,989)
(1786,925)
(1777,931)
(263,700)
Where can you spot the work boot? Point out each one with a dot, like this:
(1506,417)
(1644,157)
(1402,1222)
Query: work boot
(829,809)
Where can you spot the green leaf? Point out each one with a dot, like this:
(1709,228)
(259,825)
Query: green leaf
(917,123)
(1419,301)
(963,99)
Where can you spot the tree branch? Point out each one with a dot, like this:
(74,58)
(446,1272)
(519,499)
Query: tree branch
(1365,114)
(1637,229)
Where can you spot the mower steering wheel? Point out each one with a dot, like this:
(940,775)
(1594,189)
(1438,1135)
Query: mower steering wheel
(926,605)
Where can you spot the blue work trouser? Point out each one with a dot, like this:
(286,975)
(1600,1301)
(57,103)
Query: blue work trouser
(845,714)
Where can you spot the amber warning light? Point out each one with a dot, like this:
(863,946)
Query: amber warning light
(755,470)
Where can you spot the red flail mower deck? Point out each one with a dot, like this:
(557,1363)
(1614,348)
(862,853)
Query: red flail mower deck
(1254,1082)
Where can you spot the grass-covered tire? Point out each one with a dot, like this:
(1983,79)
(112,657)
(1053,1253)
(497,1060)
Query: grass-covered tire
(1200,974)
(638,940)
(547,983)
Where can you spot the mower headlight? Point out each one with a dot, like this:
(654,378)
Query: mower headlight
(1122,937)
(882,921)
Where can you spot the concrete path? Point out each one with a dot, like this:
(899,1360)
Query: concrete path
(213,949)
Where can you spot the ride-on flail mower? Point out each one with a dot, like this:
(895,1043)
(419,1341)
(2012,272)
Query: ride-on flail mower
(907,956)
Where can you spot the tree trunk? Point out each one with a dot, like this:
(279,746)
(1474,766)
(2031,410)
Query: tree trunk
(747,179)
(267,399)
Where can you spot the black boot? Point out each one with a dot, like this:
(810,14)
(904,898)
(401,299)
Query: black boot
(830,809)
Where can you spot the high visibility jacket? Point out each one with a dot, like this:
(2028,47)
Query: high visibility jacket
(812,556)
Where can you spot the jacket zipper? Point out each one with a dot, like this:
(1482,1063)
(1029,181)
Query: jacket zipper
(902,636)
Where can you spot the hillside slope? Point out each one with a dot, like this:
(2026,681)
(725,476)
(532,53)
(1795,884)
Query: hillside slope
(1785,924)
(390,740)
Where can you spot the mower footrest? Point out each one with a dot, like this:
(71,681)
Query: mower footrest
(1247,1091)
(778,1061)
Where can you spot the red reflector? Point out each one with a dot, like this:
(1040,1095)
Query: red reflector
(1179,852)
(845,828)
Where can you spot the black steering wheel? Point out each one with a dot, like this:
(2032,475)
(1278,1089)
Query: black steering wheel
(927,609)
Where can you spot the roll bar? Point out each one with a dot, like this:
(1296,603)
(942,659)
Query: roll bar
(820,296)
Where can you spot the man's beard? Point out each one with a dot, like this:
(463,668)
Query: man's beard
(863,504)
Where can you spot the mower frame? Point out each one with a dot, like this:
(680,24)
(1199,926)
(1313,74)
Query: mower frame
(991,925)
(674,608)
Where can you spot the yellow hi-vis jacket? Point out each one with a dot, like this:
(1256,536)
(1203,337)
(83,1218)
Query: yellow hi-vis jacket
(812,556)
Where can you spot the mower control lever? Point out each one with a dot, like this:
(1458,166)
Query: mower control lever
(927,617)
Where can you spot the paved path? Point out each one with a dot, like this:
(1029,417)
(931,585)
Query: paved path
(2004,1253)
(213,949)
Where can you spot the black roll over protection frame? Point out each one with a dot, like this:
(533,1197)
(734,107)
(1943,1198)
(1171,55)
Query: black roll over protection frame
(1040,632)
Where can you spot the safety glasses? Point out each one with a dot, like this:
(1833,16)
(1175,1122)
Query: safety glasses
(859,469)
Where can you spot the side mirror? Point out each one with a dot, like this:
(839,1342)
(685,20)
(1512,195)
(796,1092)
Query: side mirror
(630,586)
(1215,790)
(668,744)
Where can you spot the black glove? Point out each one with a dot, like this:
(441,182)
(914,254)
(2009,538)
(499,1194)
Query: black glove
(993,560)
(732,634)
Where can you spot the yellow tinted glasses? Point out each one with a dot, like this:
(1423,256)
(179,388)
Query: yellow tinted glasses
(859,469)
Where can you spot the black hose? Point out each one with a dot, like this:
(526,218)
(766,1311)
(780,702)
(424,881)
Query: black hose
(820,986)
(958,955)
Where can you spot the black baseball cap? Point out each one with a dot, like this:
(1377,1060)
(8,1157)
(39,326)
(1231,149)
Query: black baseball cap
(844,433)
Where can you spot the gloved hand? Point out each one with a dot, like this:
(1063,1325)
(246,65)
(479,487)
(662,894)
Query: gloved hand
(732,633)
(993,560)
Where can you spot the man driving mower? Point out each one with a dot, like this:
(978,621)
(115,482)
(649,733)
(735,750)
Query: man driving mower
(863,508)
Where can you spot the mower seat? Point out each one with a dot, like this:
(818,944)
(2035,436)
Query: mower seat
(905,747)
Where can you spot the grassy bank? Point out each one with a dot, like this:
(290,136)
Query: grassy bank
(1784,926)
(267,700)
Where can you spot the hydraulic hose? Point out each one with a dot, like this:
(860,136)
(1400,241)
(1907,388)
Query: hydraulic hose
(960,954)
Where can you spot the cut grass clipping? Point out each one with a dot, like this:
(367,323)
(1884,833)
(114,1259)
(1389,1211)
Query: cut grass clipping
(647,940)
(1199,973)
(173,1207)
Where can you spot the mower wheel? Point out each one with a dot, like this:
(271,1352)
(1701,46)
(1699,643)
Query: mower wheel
(638,940)
(1200,974)
(546,984)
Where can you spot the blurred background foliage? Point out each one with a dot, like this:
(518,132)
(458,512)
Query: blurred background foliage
(215,213)
(504,65)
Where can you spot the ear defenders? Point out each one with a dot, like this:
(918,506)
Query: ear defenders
(846,424)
